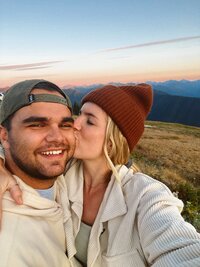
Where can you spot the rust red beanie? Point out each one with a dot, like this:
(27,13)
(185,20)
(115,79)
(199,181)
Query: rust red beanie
(128,107)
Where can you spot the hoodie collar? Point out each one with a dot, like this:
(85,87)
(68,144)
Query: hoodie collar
(35,205)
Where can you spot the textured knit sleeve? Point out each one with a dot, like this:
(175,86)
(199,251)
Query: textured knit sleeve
(166,239)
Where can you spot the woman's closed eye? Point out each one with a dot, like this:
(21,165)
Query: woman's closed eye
(89,122)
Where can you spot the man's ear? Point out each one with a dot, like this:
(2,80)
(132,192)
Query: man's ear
(4,137)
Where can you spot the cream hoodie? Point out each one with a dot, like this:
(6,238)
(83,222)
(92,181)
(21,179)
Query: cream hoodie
(32,234)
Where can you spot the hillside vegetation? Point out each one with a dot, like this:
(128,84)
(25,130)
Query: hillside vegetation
(170,153)
(176,109)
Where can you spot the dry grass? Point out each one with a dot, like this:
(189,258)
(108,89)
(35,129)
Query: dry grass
(171,154)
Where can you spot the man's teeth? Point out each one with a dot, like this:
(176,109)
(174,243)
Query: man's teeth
(54,152)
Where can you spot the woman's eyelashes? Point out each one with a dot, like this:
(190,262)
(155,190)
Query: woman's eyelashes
(89,122)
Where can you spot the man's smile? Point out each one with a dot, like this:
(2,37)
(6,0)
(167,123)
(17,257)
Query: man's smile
(52,152)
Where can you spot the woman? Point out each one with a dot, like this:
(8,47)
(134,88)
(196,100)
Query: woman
(121,218)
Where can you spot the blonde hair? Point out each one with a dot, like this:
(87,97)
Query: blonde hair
(116,148)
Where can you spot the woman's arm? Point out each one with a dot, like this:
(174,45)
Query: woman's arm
(167,240)
(7,182)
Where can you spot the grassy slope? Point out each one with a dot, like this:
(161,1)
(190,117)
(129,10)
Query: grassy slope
(170,153)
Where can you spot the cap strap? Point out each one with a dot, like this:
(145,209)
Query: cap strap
(48,98)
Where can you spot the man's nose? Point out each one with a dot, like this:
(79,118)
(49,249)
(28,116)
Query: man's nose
(55,135)
(77,124)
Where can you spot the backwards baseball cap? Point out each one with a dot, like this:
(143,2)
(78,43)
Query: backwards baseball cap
(19,96)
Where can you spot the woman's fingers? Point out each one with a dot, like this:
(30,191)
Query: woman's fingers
(15,192)
(0,209)
(7,182)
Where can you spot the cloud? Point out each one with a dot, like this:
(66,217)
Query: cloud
(161,42)
(30,66)
(33,68)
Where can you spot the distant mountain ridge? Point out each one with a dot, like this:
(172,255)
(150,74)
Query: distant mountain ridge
(180,88)
(174,101)
(171,87)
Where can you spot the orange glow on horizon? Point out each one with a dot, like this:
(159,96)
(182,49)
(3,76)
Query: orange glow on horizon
(95,79)
(154,77)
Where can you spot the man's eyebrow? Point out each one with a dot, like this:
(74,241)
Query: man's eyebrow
(68,119)
(35,119)
(45,119)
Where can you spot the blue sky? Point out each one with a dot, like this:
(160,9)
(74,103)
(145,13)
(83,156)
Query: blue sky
(84,42)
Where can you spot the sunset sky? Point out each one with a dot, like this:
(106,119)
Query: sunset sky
(73,42)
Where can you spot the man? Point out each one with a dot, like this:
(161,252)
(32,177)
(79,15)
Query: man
(37,136)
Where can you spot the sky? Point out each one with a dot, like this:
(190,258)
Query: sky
(80,42)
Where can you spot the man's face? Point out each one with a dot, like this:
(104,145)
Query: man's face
(40,143)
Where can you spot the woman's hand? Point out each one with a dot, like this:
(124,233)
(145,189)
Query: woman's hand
(7,182)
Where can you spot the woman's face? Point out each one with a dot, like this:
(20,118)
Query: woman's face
(90,129)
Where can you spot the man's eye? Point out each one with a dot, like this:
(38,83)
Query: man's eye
(67,125)
(36,125)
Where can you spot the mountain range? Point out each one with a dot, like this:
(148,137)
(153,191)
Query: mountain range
(174,101)
(171,87)
(179,88)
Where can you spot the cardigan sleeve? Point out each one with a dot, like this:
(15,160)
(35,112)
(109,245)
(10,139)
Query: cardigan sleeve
(166,239)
